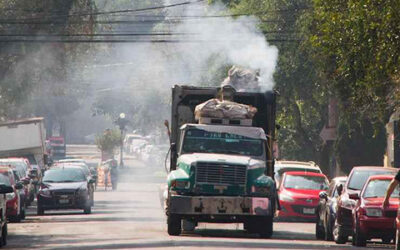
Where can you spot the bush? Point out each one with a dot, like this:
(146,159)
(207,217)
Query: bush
(109,140)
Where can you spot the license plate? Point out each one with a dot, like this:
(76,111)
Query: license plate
(308,210)
(63,201)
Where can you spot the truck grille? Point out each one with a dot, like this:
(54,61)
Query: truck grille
(220,173)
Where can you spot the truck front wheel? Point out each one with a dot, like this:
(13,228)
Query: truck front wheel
(267,227)
(174,224)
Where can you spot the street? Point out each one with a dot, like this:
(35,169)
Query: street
(131,217)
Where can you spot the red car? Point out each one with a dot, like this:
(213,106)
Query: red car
(343,226)
(370,219)
(299,194)
(15,212)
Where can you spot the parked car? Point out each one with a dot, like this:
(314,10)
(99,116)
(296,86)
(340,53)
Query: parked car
(370,219)
(397,241)
(64,188)
(343,226)
(71,160)
(5,188)
(22,167)
(285,166)
(299,194)
(326,209)
(15,211)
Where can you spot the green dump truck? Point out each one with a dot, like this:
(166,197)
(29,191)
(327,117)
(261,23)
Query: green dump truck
(222,171)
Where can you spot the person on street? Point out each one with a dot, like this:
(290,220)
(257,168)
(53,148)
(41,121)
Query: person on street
(114,174)
(106,170)
(393,184)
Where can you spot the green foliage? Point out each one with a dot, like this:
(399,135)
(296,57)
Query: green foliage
(362,39)
(302,105)
(109,140)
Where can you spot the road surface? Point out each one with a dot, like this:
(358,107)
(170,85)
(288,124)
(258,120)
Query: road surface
(131,217)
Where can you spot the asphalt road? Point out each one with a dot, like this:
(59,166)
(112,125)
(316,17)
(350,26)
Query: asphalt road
(131,217)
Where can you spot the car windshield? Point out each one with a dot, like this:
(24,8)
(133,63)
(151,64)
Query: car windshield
(201,141)
(64,175)
(358,178)
(377,188)
(4,179)
(306,182)
(282,169)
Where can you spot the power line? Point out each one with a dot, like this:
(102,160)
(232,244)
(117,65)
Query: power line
(75,14)
(125,34)
(125,41)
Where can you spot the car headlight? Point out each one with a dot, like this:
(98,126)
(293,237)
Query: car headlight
(45,192)
(82,192)
(285,197)
(373,212)
(10,196)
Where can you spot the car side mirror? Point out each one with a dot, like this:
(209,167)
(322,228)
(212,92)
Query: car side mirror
(4,189)
(354,196)
(19,185)
(340,189)
(323,195)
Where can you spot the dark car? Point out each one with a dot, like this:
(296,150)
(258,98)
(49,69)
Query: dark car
(64,188)
(370,219)
(343,226)
(86,171)
(326,209)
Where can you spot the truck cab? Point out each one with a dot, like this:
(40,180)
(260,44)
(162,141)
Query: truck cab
(222,169)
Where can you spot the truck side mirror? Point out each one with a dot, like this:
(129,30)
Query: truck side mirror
(173,147)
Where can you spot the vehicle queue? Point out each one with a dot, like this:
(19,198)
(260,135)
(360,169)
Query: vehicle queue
(346,207)
(68,184)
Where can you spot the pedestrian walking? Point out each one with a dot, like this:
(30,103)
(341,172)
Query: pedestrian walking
(106,171)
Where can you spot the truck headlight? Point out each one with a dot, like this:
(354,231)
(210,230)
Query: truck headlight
(10,196)
(180,184)
(373,212)
(285,197)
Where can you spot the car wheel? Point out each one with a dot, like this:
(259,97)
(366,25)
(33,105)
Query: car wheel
(188,225)
(358,238)
(328,228)
(174,224)
(386,240)
(319,229)
(88,206)
(338,236)
(40,210)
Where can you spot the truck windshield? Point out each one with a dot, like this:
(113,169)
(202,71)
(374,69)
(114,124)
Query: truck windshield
(201,141)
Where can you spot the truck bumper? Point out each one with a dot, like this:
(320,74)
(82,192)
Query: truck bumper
(220,205)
